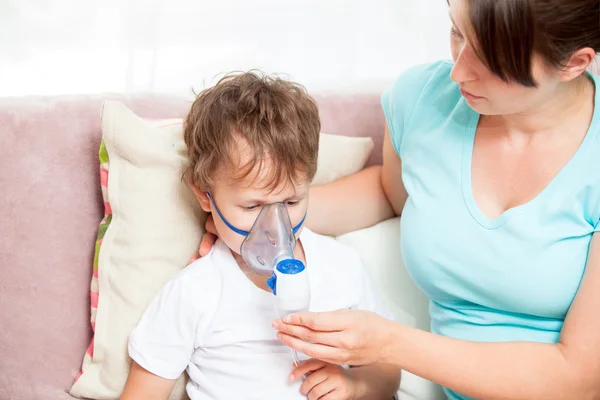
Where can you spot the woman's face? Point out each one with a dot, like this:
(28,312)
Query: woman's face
(485,92)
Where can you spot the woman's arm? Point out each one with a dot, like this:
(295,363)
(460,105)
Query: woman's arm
(360,200)
(144,385)
(569,369)
(376,381)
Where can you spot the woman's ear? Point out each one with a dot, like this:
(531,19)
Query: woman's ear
(203,198)
(578,63)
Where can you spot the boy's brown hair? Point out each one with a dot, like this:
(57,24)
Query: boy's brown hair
(270,118)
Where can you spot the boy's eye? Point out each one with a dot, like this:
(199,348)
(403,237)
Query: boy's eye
(254,207)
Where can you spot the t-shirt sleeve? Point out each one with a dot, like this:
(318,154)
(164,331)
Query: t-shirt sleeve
(164,339)
(400,99)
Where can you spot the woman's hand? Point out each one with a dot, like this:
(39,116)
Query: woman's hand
(345,337)
(326,381)
(209,238)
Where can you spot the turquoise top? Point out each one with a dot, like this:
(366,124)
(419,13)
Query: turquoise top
(511,278)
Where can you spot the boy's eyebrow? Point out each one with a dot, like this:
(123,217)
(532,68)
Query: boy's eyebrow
(296,195)
(253,201)
(261,201)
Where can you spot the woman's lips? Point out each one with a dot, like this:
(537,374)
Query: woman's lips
(469,96)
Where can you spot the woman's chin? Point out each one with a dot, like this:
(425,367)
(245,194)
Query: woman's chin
(482,107)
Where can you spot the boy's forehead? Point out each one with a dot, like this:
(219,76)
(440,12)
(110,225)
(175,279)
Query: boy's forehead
(260,182)
(247,172)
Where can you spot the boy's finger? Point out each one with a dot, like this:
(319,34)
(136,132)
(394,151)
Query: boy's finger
(315,379)
(322,389)
(306,367)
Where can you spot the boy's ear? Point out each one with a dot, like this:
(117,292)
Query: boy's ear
(202,198)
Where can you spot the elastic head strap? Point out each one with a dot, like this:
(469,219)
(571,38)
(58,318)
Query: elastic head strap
(233,228)
(297,227)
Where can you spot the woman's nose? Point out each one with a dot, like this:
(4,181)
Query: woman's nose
(463,70)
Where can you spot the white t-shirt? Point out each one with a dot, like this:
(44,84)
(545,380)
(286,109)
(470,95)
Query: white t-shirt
(212,320)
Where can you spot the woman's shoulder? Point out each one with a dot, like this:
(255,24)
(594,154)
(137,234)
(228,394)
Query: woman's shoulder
(415,79)
(414,92)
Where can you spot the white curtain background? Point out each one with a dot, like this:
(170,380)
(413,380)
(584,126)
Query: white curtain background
(52,47)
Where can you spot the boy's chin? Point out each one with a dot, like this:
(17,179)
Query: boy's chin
(235,250)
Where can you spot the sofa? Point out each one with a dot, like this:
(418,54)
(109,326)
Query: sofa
(52,204)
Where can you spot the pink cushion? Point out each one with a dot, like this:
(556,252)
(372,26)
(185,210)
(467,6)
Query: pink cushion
(51,207)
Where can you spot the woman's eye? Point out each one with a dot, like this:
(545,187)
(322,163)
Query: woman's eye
(455,33)
(292,203)
(251,208)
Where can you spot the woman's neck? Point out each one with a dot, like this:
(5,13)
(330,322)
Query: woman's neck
(569,103)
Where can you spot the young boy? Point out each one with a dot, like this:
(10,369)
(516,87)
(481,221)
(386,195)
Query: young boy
(251,140)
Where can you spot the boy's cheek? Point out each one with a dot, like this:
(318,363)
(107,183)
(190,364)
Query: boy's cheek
(230,238)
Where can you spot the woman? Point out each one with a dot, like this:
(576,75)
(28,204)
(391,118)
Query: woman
(494,163)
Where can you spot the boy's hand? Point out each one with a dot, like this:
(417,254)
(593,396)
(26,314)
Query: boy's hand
(325,381)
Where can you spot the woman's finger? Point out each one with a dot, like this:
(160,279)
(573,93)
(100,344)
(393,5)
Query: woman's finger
(306,367)
(332,321)
(210,225)
(195,257)
(208,240)
(326,338)
(329,354)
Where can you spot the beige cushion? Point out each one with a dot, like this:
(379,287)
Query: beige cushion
(340,156)
(155,229)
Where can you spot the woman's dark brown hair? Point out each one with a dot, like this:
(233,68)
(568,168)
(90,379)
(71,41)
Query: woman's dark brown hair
(506,33)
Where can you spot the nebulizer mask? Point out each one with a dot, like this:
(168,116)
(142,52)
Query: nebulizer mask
(268,250)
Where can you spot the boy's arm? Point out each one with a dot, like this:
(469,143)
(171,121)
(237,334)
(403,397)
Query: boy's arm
(164,340)
(144,385)
(376,381)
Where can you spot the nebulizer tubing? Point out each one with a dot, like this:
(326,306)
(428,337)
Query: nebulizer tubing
(294,352)
(296,359)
